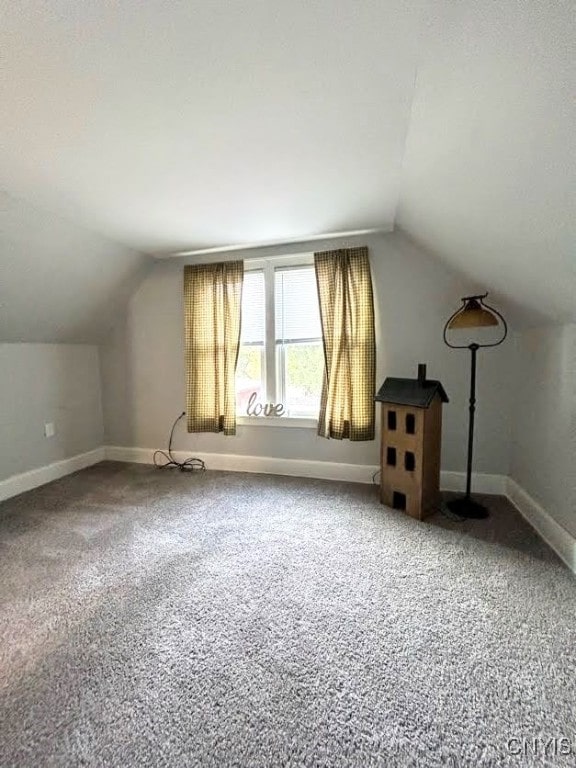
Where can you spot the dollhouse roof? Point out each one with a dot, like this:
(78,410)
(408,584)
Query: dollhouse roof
(418,394)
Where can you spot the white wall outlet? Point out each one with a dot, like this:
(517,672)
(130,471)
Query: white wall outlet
(49,429)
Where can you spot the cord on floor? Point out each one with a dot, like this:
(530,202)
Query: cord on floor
(188,465)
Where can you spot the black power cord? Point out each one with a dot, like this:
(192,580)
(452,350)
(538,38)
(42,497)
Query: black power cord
(188,465)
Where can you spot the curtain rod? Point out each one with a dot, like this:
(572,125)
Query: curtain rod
(271,243)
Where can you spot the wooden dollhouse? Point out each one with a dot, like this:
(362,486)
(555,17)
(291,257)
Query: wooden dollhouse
(411,440)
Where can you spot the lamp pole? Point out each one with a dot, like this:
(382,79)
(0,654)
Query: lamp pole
(471,411)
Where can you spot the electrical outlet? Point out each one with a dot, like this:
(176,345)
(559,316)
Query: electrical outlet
(49,429)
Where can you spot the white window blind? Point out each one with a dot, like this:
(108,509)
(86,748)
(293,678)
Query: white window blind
(296,304)
(253,309)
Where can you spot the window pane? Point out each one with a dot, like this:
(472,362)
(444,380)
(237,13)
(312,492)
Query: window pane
(296,304)
(249,376)
(250,366)
(253,308)
(301,370)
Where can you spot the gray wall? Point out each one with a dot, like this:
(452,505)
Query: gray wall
(42,383)
(543,459)
(60,282)
(143,364)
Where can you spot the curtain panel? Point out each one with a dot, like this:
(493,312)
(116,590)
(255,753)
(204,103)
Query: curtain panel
(212,314)
(347,408)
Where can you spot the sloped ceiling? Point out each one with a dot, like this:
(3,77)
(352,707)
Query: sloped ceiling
(60,282)
(177,125)
(171,124)
(489,175)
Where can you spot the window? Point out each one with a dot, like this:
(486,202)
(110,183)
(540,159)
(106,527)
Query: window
(250,366)
(281,356)
(409,461)
(391,457)
(391,420)
(410,424)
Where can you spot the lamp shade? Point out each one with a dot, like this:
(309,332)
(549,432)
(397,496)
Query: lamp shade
(472,315)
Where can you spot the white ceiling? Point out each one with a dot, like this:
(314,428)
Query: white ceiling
(172,124)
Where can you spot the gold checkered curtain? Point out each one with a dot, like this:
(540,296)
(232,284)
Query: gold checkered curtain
(212,306)
(347,315)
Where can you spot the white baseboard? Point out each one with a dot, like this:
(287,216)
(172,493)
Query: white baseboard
(481,483)
(132,455)
(235,462)
(26,481)
(322,470)
(554,534)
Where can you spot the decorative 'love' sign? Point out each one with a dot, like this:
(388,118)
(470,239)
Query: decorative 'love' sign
(257,409)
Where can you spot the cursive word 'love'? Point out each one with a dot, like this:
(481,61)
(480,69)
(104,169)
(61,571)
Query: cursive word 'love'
(257,409)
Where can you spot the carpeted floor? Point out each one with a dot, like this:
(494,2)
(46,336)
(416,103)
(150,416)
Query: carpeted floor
(220,619)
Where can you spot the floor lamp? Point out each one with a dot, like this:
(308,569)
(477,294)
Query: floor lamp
(473,313)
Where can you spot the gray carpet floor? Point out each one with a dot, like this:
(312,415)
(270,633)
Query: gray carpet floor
(154,618)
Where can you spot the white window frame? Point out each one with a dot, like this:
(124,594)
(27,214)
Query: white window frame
(268,267)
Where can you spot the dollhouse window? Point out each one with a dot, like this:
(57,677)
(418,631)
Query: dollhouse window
(392,420)
(391,457)
(399,500)
(409,461)
(410,424)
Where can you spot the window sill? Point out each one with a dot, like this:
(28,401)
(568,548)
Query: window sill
(276,421)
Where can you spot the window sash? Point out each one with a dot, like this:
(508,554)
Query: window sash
(273,369)
(270,346)
(281,345)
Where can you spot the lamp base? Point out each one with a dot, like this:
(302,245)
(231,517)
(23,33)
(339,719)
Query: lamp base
(466,507)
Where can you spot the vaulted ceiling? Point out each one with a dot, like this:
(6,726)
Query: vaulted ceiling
(172,124)
(178,125)
(489,174)
(59,281)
